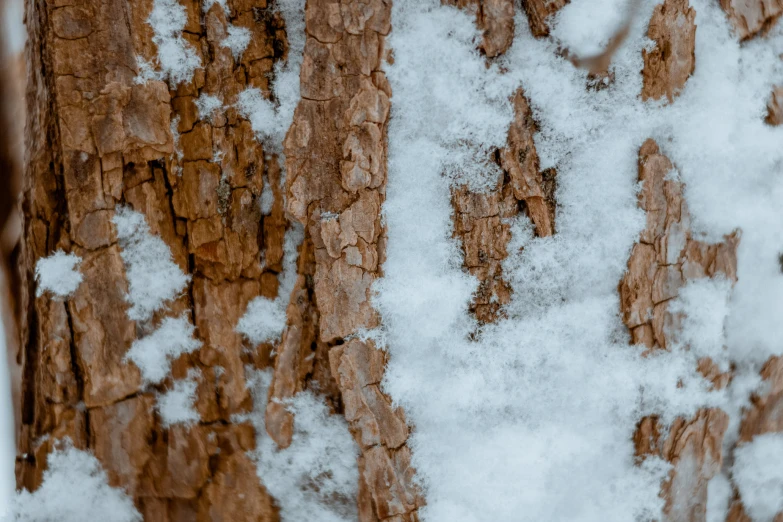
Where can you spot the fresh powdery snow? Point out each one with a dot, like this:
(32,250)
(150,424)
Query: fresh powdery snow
(207,105)
(271,120)
(758,474)
(237,40)
(177,58)
(316,477)
(58,274)
(153,277)
(177,405)
(264,320)
(75,489)
(532,418)
(154,353)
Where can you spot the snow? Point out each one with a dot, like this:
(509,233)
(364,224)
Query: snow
(75,488)
(316,477)
(153,277)
(237,40)
(176,57)
(176,406)
(759,476)
(58,274)
(586,28)
(264,319)
(539,410)
(704,304)
(270,120)
(207,105)
(154,353)
(718,497)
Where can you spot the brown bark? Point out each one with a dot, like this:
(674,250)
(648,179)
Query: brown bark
(665,258)
(336,162)
(537,13)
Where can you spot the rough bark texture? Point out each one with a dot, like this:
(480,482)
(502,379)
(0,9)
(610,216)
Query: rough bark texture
(537,13)
(669,64)
(666,257)
(482,218)
(751,17)
(336,163)
(98,140)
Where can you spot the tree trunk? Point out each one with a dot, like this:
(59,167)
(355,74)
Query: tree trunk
(228,202)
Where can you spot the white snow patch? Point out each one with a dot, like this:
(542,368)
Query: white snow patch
(270,121)
(316,477)
(758,474)
(207,105)
(176,406)
(75,488)
(267,199)
(264,319)
(153,277)
(154,353)
(705,306)
(176,57)
(718,497)
(58,274)
(237,40)
(586,27)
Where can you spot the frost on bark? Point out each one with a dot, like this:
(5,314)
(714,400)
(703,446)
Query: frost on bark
(99,139)
(336,177)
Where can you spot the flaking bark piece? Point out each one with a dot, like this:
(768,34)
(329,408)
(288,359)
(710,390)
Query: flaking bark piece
(671,62)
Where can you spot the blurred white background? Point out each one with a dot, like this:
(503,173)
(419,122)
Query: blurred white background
(13,32)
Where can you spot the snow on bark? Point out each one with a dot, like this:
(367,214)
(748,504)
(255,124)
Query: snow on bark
(176,406)
(177,58)
(153,277)
(75,488)
(111,146)
(154,353)
(750,17)
(759,476)
(336,174)
(592,137)
(58,274)
(315,477)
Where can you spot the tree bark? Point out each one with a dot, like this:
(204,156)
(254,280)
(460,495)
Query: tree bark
(97,140)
